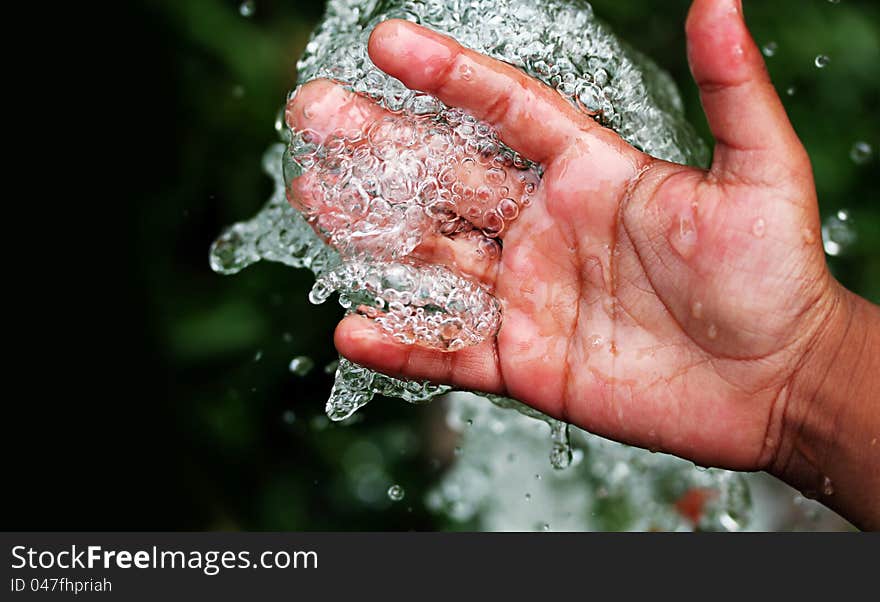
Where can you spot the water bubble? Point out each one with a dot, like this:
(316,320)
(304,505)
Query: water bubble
(258,355)
(288,417)
(827,486)
(395,493)
(759,228)
(791,90)
(809,236)
(861,153)
(528,497)
(301,365)
(821,61)
(770,48)
(838,233)
(247,8)
(712,333)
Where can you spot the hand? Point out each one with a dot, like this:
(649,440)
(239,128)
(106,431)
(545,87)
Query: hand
(660,305)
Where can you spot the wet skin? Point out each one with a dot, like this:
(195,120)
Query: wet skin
(683,310)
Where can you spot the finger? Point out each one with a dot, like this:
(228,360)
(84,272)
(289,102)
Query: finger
(475,368)
(529,116)
(753,134)
(320,108)
(467,253)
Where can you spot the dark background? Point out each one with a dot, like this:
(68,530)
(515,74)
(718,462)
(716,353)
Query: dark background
(134,400)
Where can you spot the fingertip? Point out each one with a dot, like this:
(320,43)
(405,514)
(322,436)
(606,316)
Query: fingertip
(412,53)
(314,105)
(705,13)
(358,339)
(380,35)
(720,48)
(361,342)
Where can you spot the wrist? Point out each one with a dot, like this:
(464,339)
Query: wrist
(829,448)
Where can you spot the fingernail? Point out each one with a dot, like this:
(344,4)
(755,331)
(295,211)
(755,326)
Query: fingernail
(364,334)
(412,44)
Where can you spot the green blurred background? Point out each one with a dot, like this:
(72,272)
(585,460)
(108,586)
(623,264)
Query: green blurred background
(208,427)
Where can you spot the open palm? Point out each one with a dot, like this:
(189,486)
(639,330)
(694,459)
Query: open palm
(652,303)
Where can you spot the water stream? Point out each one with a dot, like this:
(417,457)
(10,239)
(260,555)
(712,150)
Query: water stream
(375,195)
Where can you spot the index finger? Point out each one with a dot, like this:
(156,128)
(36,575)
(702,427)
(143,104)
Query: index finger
(530,117)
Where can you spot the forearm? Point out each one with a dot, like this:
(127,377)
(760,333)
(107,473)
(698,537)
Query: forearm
(830,448)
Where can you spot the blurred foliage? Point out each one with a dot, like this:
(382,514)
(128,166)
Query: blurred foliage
(251,448)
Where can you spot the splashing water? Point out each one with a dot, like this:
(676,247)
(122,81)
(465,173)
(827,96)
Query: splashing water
(376,195)
(609,486)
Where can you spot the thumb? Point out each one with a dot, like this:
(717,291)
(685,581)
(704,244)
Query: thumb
(755,140)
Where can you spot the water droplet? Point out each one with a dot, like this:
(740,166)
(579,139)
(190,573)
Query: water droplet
(728,522)
(258,355)
(301,365)
(791,90)
(697,310)
(713,332)
(537,477)
(686,228)
(838,233)
(546,526)
(528,497)
(770,49)
(281,126)
(395,493)
(247,8)
(466,71)
(827,486)
(684,239)
(861,153)
(822,61)
(288,417)
(759,228)
(809,236)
